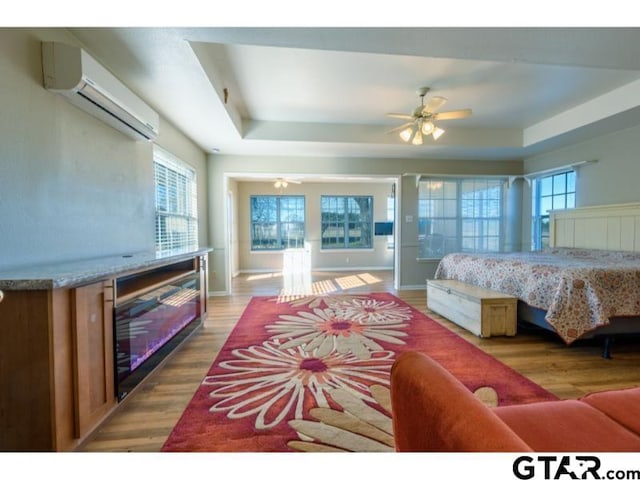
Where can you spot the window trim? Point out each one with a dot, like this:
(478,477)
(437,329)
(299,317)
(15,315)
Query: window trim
(278,222)
(459,179)
(391,217)
(186,207)
(536,214)
(346,247)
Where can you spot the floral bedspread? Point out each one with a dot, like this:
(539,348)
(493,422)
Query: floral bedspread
(579,288)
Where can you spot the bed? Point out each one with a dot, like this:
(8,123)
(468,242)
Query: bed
(586,284)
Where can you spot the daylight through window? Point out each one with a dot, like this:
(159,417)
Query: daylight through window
(347,222)
(277,222)
(552,192)
(176,203)
(459,215)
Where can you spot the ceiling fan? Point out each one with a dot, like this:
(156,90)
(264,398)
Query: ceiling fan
(284,182)
(421,120)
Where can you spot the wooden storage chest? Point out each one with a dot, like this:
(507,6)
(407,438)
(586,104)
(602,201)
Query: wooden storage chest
(481,311)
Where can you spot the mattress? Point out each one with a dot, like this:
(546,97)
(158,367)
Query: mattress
(580,289)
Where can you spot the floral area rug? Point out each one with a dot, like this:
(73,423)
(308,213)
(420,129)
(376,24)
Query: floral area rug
(312,374)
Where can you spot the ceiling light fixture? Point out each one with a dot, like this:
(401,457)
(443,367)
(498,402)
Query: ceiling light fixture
(427,127)
(437,133)
(280,183)
(406,134)
(420,122)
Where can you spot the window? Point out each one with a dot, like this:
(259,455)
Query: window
(176,203)
(552,192)
(277,222)
(459,215)
(347,222)
(391,215)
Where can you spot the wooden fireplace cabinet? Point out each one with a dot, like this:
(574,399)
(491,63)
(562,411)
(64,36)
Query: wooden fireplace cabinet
(57,374)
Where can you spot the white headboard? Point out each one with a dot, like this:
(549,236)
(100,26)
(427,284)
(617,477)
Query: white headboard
(605,227)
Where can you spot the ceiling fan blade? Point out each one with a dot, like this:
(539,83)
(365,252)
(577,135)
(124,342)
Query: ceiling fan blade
(297,182)
(401,127)
(403,116)
(434,104)
(452,115)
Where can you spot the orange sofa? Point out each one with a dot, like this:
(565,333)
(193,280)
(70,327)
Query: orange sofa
(434,412)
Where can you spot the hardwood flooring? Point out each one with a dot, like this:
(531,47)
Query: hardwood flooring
(146,417)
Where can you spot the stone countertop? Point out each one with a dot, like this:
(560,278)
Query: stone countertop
(75,273)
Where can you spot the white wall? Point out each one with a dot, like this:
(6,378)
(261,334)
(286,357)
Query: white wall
(71,187)
(232,212)
(379,257)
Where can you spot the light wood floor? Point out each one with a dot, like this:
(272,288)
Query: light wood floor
(144,420)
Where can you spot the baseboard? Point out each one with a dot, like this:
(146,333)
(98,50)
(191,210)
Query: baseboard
(352,269)
(218,293)
(256,271)
(412,287)
(336,269)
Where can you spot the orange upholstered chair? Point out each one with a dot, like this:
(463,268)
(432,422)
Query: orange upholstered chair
(432,411)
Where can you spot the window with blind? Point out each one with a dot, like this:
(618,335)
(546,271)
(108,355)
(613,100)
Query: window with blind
(277,222)
(460,215)
(176,203)
(346,222)
(551,192)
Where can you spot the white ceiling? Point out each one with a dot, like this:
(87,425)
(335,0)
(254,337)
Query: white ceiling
(326,91)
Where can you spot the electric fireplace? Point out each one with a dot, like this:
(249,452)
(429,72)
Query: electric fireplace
(154,313)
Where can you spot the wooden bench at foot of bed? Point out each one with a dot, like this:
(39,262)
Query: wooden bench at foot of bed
(483,312)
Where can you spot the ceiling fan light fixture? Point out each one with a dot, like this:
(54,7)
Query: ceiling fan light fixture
(405,134)
(427,128)
(420,122)
(280,183)
(437,133)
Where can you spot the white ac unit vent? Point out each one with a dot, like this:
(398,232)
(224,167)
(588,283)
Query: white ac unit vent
(72,72)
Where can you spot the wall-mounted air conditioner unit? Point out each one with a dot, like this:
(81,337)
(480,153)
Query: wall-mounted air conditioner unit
(72,72)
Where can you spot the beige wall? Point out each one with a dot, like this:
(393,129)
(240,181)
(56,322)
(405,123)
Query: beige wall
(72,187)
(380,257)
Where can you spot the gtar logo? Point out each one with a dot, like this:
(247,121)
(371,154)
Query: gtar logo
(565,467)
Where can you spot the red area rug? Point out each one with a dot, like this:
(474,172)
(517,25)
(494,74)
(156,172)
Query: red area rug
(312,374)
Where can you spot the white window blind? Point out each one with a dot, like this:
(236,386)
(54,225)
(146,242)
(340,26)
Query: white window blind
(176,203)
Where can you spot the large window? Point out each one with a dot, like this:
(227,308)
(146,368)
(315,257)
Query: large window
(347,222)
(459,215)
(552,192)
(277,222)
(176,203)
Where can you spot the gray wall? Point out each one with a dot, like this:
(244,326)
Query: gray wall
(611,180)
(71,187)
(412,273)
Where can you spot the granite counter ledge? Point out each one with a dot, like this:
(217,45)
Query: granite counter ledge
(79,272)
